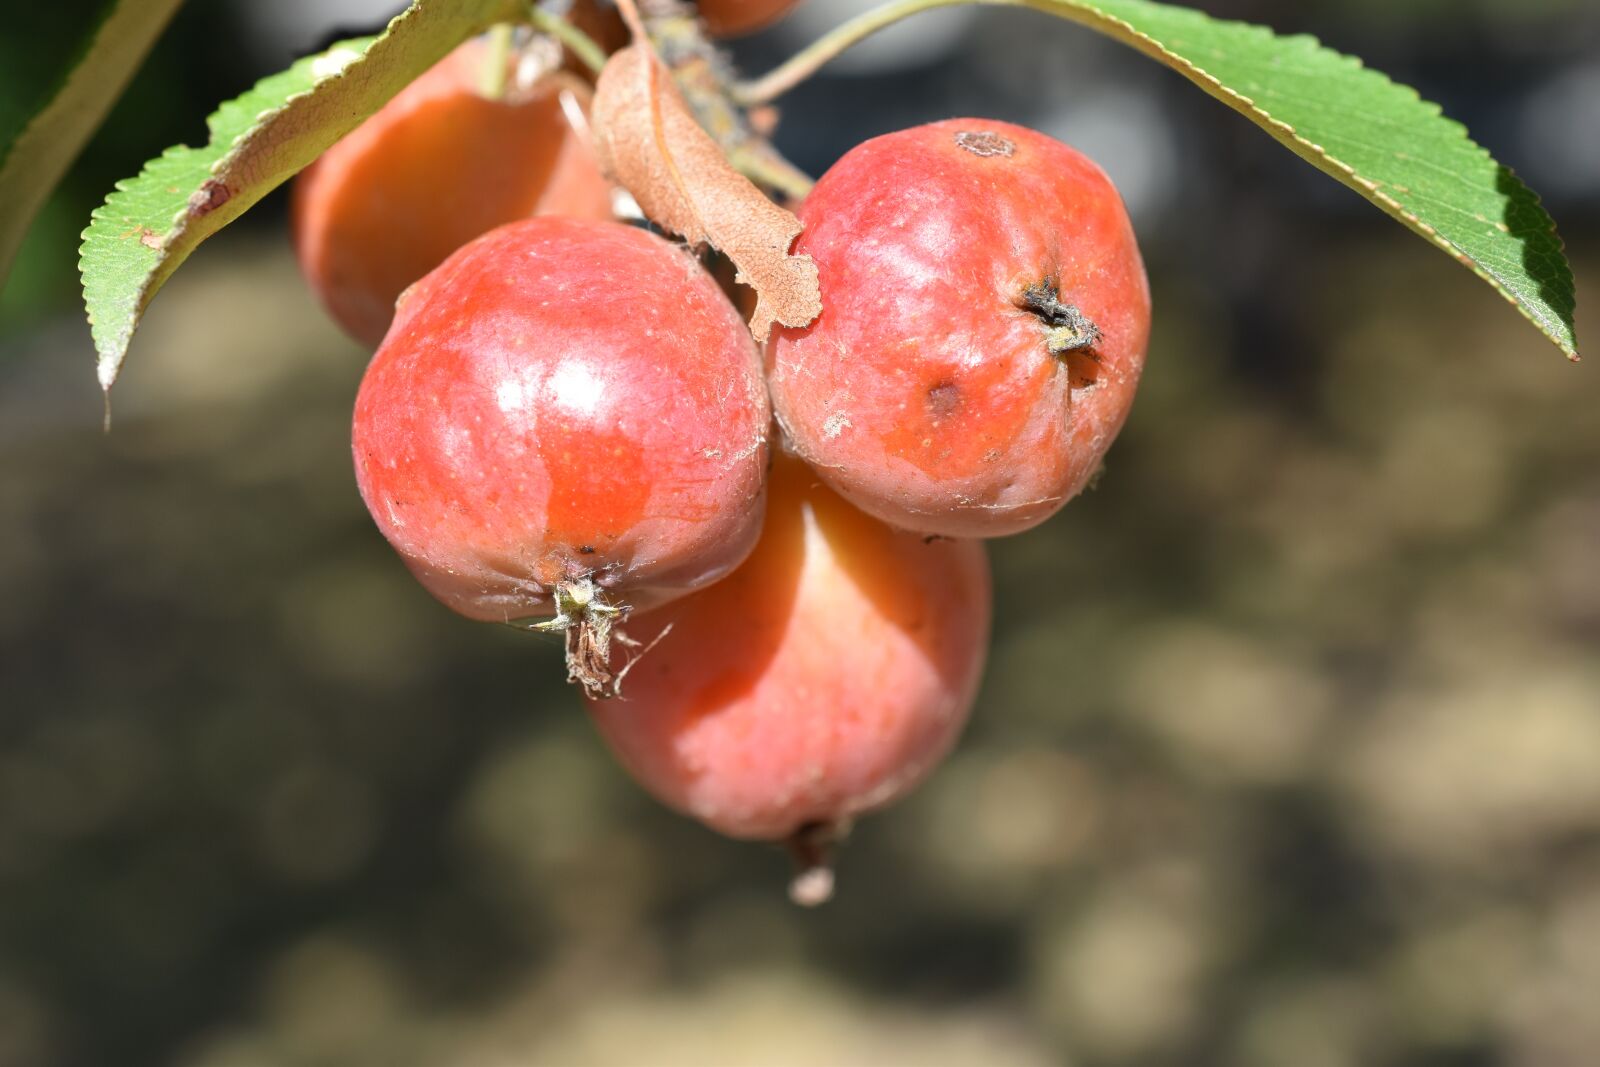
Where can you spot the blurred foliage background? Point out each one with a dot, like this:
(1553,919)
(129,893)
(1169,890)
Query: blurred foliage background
(1288,754)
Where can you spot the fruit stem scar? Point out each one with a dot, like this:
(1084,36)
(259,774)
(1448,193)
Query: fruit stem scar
(1067,328)
(984,143)
(811,849)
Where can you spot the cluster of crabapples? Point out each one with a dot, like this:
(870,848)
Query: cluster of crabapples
(768,565)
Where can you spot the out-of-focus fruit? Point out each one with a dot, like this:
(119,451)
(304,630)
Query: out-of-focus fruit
(729,18)
(435,167)
(822,679)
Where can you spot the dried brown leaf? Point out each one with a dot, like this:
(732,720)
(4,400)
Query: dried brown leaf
(647,141)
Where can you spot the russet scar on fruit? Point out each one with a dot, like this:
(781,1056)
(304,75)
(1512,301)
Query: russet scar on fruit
(565,422)
(985,318)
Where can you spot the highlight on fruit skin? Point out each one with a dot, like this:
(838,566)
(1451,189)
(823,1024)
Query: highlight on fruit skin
(822,679)
(566,422)
(985,318)
(438,165)
(731,18)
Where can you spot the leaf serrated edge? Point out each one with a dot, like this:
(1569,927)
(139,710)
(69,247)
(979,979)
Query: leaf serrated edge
(1097,18)
(113,350)
(102,216)
(466,16)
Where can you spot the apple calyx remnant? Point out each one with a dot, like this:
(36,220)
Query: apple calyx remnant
(588,622)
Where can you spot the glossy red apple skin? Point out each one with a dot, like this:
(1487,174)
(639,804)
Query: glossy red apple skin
(927,392)
(730,18)
(564,399)
(822,679)
(435,167)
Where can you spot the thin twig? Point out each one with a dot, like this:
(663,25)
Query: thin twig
(806,62)
(770,169)
(578,43)
(492,78)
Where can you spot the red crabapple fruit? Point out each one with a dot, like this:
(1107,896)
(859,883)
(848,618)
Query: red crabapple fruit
(435,167)
(822,679)
(985,315)
(730,18)
(566,420)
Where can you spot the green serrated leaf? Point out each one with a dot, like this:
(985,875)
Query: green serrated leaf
(150,224)
(1379,138)
(60,110)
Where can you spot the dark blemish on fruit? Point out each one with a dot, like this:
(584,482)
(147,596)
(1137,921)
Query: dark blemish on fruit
(986,144)
(1066,328)
(210,196)
(586,550)
(944,396)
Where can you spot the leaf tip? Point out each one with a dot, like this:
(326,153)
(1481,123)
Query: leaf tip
(106,371)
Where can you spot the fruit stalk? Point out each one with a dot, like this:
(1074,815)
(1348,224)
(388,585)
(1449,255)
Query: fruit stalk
(580,44)
(704,77)
(806,62)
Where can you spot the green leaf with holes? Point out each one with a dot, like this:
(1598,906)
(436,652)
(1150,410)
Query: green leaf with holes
(57,94)
(1379,138)
(151,223)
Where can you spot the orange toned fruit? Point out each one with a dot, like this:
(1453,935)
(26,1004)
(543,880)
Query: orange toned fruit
(822,679)
(985,316)
(729,18)
(566,420)
(435,167)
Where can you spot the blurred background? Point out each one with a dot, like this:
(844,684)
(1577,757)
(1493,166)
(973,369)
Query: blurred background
(1288,753)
